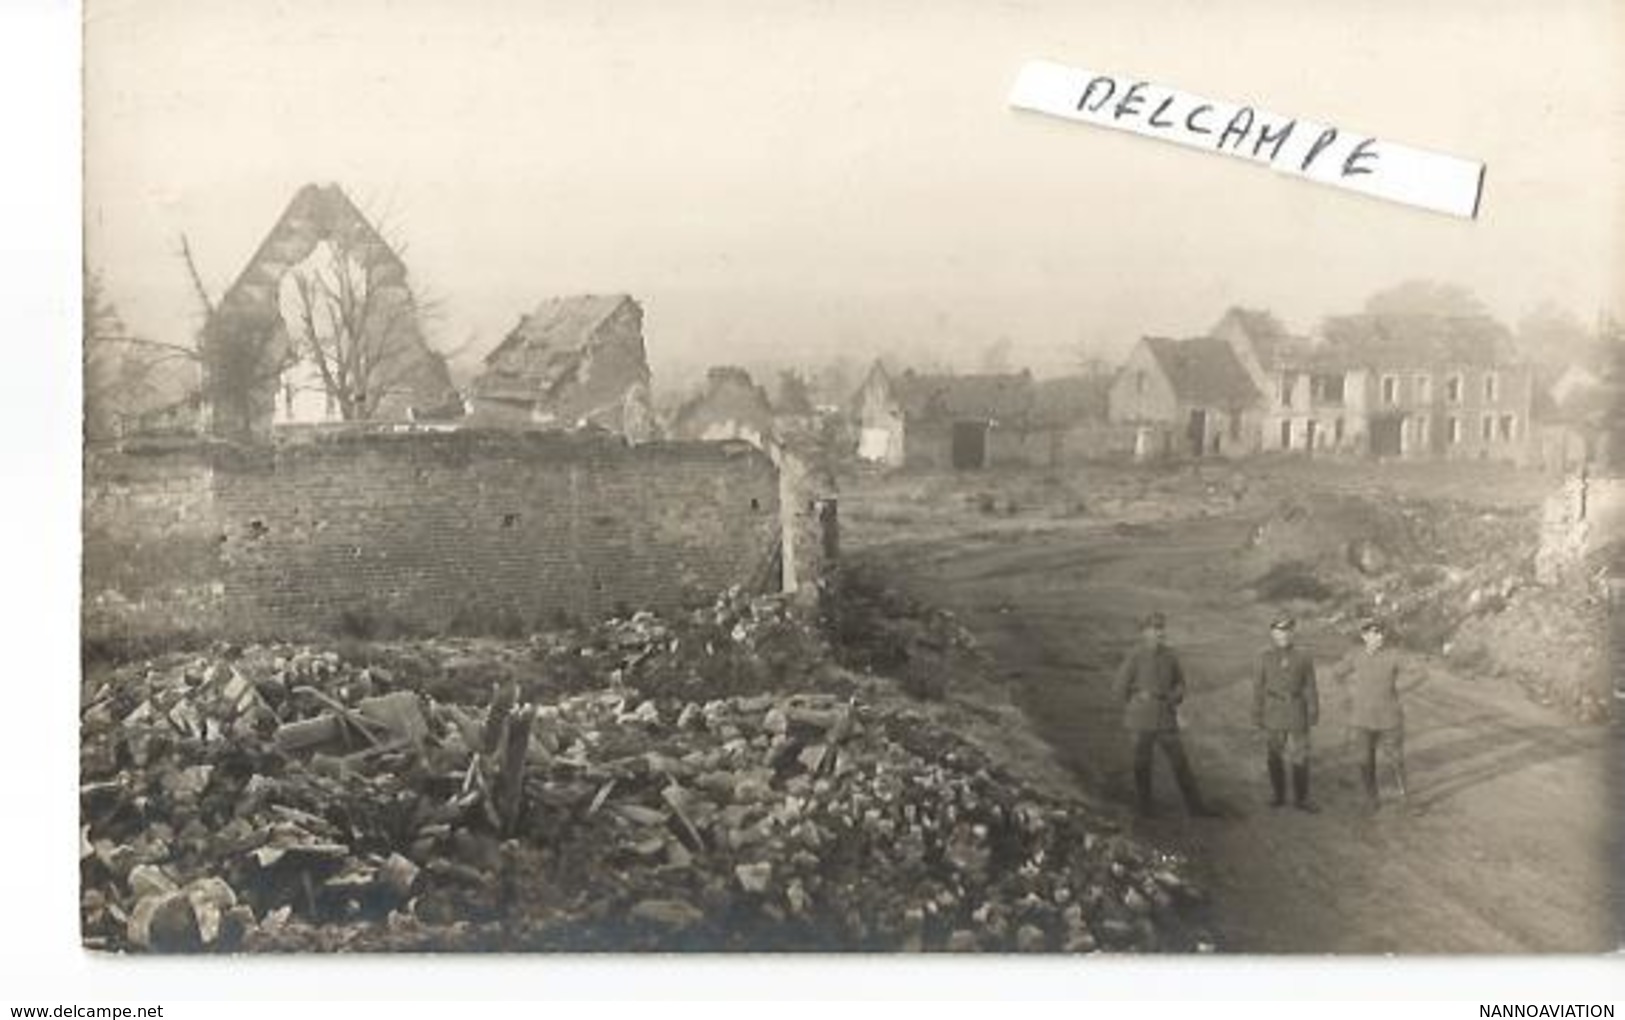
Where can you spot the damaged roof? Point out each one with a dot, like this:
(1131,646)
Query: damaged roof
(730,395)
(549,347)
(989,396)
(1418,341)
(1072,399)
(1203,370)
(1269,339)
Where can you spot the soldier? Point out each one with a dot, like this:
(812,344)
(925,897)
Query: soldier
(1286,704)
(1375,714)
(1151,686)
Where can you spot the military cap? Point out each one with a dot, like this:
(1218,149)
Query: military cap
(1283,622)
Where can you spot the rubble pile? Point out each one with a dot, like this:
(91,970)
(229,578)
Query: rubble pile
(878,629)
(289,798)
(1552,641)
(1450,578)
(1425,566)
(741,644)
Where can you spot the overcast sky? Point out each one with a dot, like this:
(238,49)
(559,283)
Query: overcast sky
(819,177)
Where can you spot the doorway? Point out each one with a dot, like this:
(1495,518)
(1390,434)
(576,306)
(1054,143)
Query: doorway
(1196,432)
(969,445)
(1387,435)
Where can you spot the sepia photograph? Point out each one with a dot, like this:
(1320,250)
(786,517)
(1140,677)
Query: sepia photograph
(820,477)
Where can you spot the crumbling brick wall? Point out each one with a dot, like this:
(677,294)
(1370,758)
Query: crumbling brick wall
(809,525)
(151,542)
(365,532)
(1585,514)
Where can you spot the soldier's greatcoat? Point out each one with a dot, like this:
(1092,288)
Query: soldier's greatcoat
(1284,693)
(1151,685)
(1375,691)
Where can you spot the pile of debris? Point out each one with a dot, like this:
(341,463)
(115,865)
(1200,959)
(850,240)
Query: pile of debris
(1449,578)
(1553,641)
(881,630)
(1424,566)
(741,644)
(288,798)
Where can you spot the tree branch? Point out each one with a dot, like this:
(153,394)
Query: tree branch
(201,291)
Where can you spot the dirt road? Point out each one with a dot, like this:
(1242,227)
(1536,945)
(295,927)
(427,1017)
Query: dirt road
(1515,849)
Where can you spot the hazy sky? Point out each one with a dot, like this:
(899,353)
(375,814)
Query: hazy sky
(818,177)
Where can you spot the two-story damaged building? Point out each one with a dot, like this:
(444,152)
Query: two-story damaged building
(1432,386)
(966,422)
(1186,398)
(573,362)
(1308,401)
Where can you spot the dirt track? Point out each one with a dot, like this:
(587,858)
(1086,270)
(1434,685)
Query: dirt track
(1515,848)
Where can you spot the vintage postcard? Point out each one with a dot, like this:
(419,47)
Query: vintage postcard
(824,477)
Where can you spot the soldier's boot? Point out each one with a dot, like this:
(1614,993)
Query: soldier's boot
(1142,791)
(1277,769)
(1300,789)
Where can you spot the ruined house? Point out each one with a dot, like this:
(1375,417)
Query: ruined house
(1433,386)
(730,406)
(879,417)
(793,408)
(1310,401)
(574,362)
(320,326)
(966,422)
(1386,385)
(1186,398)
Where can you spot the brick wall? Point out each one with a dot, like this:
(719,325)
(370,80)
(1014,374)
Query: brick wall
(151,542)
(453,531)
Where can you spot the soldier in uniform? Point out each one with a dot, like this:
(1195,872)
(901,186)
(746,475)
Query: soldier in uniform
(1151,686)
(1375,714)
(1286,705)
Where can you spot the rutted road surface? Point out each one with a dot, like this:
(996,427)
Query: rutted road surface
(1514,850)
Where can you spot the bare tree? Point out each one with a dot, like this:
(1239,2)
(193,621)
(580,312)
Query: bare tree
(341,322)
(101,361)
(350,316)
(125,375)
